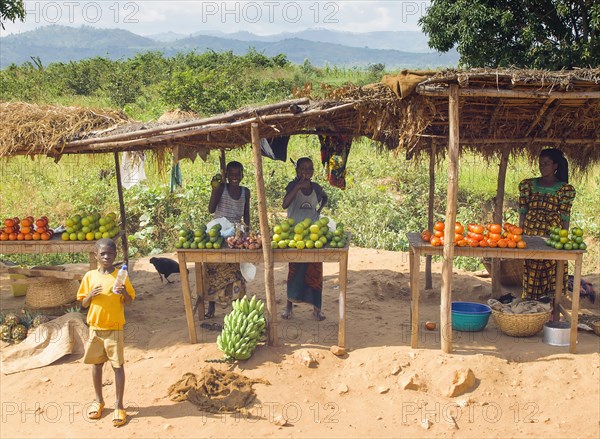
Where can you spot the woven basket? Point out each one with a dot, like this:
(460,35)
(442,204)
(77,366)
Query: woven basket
(43,292)
(511,271)
(520,325)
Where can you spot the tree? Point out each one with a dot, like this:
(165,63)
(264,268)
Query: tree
(11,10)
(546,34)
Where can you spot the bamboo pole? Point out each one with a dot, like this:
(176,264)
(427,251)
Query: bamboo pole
(503,93)
(498,209)
(271,313)
(193,123)
(428,278)
(124,242)
(453,149)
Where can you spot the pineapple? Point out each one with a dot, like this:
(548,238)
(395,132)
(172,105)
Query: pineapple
(26,318)
(39,319)
(19,333)
(11,319)
(5,333)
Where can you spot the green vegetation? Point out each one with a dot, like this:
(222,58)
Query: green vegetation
(548,34)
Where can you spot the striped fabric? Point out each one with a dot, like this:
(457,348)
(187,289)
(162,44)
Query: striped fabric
(229,208)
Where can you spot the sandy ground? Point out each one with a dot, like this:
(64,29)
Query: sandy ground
(524,388)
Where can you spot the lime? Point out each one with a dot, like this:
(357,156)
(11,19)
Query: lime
(314,236)
(282,244)
(65,236)
(555,230)
(178,244)
(186,244)
(277,229)
(291,221)
(575,246)
(558,245)
(285,227)
(314,228)
(563,232)
(577,231)
(194,245)
(300,245)
(309,243)
(299,229)
(582,246)
(568,246)
(274,244)
(578,239)
(318,244)
(98,235)
(563,239)
(292,243)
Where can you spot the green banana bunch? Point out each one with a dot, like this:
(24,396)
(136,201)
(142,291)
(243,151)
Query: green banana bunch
(243,328)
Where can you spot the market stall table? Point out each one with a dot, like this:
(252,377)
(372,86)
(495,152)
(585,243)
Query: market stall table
(200,257)
(536,249)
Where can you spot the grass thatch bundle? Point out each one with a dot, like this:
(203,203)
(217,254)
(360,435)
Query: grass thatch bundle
(28,129)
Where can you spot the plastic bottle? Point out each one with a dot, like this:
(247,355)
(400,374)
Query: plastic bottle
(121,277)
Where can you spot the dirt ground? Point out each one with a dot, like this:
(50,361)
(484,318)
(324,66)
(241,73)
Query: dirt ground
(523,387)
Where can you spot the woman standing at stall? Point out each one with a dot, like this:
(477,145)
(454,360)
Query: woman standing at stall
(544,203)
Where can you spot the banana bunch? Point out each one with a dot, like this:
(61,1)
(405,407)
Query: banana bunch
(243,327)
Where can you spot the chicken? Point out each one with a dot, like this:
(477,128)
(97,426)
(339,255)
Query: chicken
(165,267)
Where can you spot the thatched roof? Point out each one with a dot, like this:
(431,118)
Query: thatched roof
(521,110)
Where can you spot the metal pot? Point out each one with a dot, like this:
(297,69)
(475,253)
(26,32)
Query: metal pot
(557,333)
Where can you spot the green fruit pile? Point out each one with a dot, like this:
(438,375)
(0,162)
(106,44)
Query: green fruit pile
(90,226)
(243,328)
(561,240)
(308,234)
(201,238)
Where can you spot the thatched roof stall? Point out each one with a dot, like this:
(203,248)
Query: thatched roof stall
(493,113)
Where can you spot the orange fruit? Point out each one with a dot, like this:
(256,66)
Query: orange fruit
(521,244)
(439,226)
(502,243)
(26,223)
(516,237)
(45,236)
(12,236)
(9,222)
(9,229)
(517,231)
(511,244)
(25,229)
(36,236)
(28,237)
(3,236)
(40,223)
(20,237)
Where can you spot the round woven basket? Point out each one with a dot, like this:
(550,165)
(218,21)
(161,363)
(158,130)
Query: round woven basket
(520,325)
(45,292)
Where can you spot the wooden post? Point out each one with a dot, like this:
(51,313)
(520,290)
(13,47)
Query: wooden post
(271,313)
(498,209)
(453,149)
(124,242)
(428,279)
(223,164)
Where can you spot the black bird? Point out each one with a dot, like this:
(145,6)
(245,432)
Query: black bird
(165,267)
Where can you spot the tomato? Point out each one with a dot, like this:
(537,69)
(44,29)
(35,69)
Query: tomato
(439,226)
(494,236)
(426,235)
(430,326)
(517,231)
(436,241)
(458,237)
(495,228)
(475,236)
(492,244)
(502,243)
(461,243)
(511,244)
(459,228)
(484,243)
(521,244)
(476,228)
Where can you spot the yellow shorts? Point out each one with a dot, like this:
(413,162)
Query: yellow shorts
(104,346)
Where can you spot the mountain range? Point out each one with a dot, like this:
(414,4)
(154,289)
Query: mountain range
(321,47)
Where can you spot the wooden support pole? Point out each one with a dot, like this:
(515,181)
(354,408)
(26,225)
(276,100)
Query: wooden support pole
(498,209)
(261,195)
(124,242)
(453,149)
(428,277)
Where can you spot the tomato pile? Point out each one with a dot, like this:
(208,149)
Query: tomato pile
(28,229)
(492,235)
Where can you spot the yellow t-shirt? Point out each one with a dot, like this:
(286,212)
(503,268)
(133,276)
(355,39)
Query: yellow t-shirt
(106,309)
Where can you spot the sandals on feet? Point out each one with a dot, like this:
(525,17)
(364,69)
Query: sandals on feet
(95,410)
(119,417)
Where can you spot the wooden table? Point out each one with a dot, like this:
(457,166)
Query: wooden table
(200,257)
(536,249)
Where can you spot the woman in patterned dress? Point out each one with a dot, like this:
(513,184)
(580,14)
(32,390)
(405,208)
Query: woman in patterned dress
(544,203)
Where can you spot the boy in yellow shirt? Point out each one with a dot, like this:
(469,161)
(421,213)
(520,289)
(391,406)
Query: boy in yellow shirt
(106,318)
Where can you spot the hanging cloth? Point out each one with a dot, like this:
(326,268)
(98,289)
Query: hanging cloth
(176,177)
(334,156)
(275,148)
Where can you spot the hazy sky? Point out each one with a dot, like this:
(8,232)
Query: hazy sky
(147,17)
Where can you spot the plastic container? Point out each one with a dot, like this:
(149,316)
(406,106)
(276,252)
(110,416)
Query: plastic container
(470,316)
(557,333)
(18,289)
(121,278)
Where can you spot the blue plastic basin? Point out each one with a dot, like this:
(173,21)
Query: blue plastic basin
(470,316)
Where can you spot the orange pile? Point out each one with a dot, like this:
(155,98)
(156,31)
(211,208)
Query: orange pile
(492,235)
(27,229)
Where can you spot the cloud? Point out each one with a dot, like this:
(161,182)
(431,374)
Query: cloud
(147,17)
